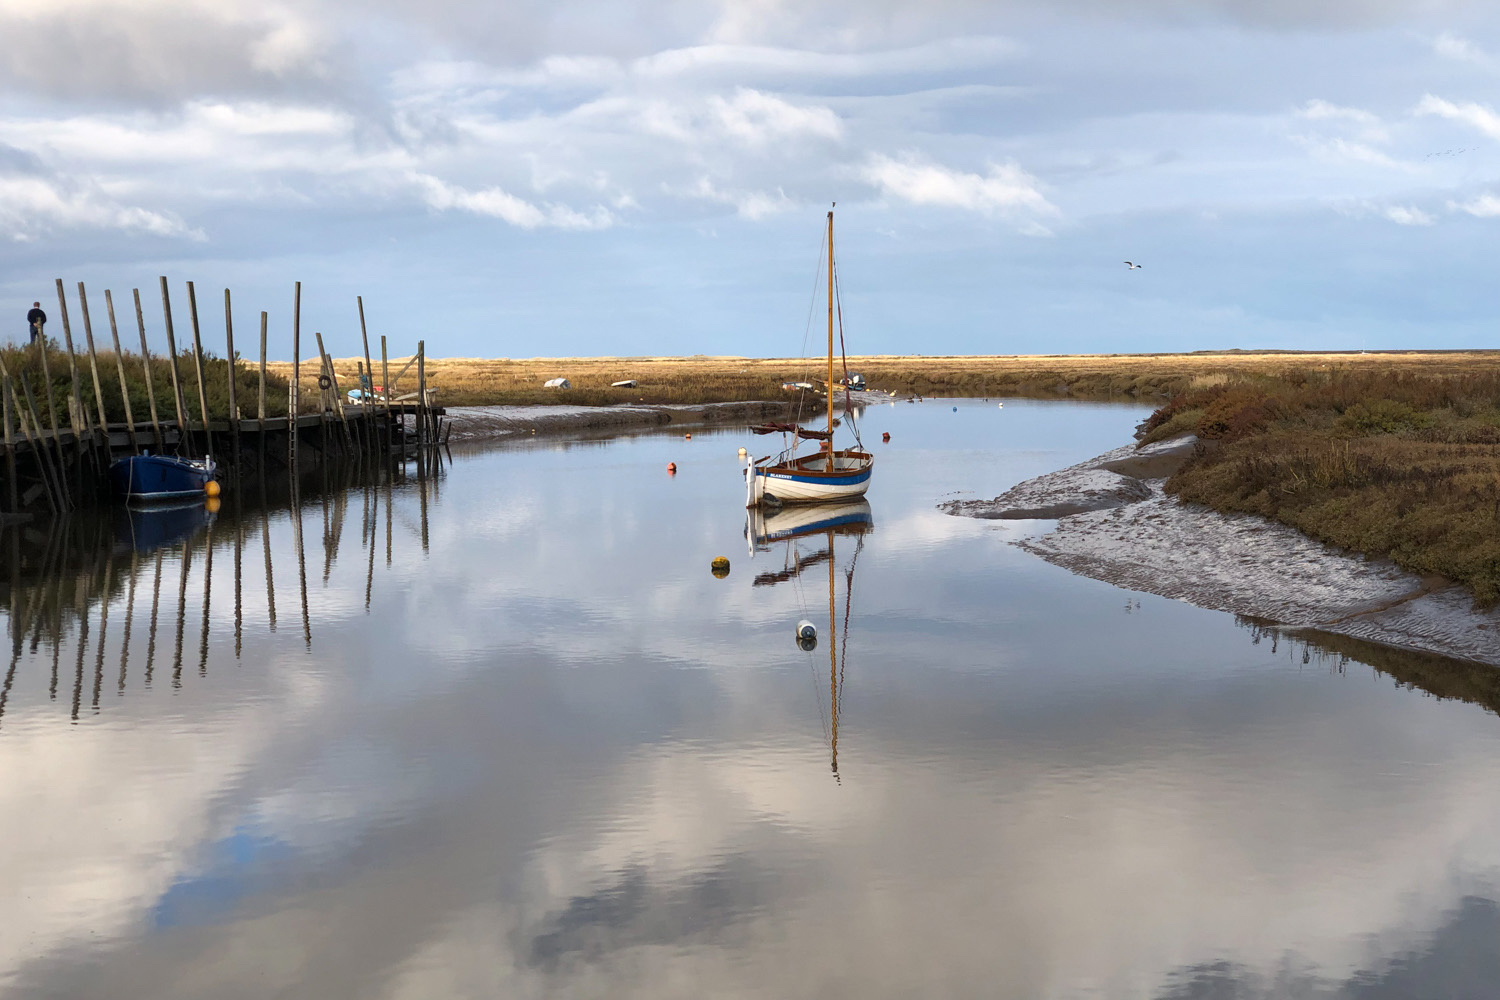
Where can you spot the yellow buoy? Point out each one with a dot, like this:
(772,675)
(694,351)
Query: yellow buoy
(720,567)
(211,487)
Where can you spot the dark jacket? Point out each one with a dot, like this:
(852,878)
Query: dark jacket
(35,316)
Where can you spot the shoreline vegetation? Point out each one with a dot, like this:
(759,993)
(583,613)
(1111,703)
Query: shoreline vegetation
(52,380)
(1395,465)
(703,379)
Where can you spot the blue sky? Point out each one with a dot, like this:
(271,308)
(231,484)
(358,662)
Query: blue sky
(535,179)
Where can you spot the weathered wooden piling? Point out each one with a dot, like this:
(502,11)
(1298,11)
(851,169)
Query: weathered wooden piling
(114,333)
(234,406)
(88,334)
(294,391)
(76,413)
(184,437)
(140,322)
(208,439)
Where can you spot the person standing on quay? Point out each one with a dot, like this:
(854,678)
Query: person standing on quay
(36,319)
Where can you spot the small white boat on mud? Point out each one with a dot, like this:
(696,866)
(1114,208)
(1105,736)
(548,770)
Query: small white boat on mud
(826,475)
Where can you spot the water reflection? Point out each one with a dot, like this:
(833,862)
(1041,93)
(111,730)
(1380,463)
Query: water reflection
(554,756)
(69,575)
(783,528)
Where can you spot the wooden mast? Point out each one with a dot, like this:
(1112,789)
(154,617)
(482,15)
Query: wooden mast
(830,340)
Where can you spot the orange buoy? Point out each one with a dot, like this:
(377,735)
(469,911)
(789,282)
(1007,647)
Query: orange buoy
(687,437)
(671,468)
(886,436)
(211,487)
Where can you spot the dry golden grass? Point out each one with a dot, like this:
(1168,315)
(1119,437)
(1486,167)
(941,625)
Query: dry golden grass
(471,381)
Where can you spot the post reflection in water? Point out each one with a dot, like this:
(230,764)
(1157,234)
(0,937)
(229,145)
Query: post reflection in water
(766,529)
(68,575)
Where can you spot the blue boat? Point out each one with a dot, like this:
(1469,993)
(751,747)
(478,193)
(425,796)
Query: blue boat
(160,477)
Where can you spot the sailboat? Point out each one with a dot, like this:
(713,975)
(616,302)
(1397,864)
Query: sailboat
(825,474)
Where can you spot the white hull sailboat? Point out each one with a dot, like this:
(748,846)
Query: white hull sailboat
(827,475)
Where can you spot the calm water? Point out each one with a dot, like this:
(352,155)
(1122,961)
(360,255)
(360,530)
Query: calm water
(547,753)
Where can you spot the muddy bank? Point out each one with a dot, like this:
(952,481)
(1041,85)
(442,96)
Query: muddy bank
(1130,533)
(481,423)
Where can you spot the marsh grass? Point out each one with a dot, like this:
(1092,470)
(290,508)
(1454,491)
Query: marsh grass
(1395,464)
(1155,377)
(25,363)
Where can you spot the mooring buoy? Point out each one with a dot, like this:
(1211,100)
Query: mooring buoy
(886,436)
(671,468)
(212,488)
(720,566)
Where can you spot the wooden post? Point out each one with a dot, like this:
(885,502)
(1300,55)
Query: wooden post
(88,333)
(260,412)
(140,322)
(114,333)
(184,439)
(51,406)
(208,438)
(368,409)
(76,414)
(10,454)
(63,500)
(333,381)
(294,398)
(234,407)
(385,393)
(421,394)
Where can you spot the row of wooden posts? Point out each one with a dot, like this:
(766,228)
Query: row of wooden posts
(91,447)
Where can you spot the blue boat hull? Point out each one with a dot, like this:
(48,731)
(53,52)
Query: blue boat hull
(160,477)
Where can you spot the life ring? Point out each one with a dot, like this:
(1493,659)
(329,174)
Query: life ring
(324,382)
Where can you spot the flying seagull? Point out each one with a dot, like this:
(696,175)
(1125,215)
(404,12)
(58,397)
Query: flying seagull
(1133,267)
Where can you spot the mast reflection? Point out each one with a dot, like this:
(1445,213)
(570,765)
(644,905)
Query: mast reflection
(766,530)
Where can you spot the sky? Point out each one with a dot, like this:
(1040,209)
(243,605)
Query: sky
(576,177)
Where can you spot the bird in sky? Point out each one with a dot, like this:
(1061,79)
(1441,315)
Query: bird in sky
(1133,267)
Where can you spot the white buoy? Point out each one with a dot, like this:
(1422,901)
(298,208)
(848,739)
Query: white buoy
(806,630)
(743,453)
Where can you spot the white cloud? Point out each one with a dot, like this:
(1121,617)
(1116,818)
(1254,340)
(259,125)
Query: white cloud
(1407,216)
(1485,206)
(756,118)
(747,204)
(32,205)
(1317,109)
(500,204)
(1451,46)
(1478,116)
(1005,190)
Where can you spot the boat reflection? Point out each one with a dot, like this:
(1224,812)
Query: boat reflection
(787,527)
(146,529)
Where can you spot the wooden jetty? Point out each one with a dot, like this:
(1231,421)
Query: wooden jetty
(52,467)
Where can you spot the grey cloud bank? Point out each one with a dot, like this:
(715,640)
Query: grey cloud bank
(595,178)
